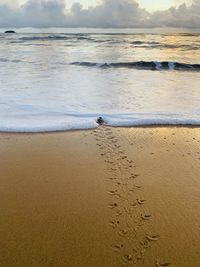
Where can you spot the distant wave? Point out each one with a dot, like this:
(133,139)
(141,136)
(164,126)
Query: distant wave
(183,34)
(151,45)
(142,42)
(3,60)
(134,40)
(43,38)
(54,38)
(149,65)
(67,37)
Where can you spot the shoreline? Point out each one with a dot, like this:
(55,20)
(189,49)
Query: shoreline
(156,126)
(111,196)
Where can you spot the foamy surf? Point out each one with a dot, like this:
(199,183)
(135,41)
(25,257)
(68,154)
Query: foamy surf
(65,122)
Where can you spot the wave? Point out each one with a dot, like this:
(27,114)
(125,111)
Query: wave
(4,60)
(144,65)
(133,40)
(41,41)
(44,38)
(141,42)
(77,121)
(158,45)
(183,34)
(55,38)
(72,37)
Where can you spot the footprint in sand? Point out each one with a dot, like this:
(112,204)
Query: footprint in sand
(111,137)
(140,201)
(152,237)
(144,243)
(118,247)
(138,186)
(123,232)
(112,178)
(128,258)
(132,190)
(115,193)
(134,204)
(113,205)
(159,264)
(109,161)
(114,224)
(119,213)
(146,217)
(109,133)
(112,192)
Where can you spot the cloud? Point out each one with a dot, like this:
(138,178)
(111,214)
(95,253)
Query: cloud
(42,13)
(108,13)
(34,13)
(182,16)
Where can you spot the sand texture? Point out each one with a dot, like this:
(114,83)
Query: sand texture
(109,197)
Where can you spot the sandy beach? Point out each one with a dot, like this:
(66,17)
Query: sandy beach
(101,198)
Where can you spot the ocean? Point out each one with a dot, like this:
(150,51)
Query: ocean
(64,79)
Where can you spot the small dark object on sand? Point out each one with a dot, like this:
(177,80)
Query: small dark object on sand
(10,31)
(100,120)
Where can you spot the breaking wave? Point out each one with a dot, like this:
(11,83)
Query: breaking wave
(149,65)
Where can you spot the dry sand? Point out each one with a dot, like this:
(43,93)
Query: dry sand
(106,197)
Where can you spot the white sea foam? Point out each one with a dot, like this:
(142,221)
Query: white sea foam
(65,122)
(171,65)
(45,124)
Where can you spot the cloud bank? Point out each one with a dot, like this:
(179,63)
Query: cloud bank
(108,13)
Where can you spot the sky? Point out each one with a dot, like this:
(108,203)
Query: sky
(100,13)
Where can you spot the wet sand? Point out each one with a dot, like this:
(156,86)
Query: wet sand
(105,197)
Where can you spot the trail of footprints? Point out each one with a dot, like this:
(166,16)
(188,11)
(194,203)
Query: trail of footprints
(128,214)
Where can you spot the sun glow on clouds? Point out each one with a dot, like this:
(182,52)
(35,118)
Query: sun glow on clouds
(150,5)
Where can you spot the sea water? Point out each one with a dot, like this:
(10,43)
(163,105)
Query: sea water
(62,79)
